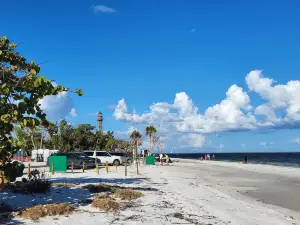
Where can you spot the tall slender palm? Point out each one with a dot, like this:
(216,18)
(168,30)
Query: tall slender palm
(150,131)
(135,136)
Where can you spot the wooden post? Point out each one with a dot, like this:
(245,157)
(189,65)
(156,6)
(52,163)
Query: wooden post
(125,169)
(82,166)
(97,168)
(137,167)
(28,172)
(52,168)
(106,166)
(72,166)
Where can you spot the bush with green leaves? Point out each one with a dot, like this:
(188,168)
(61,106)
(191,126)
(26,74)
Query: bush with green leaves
(13,170)
(21,88)
(35,184)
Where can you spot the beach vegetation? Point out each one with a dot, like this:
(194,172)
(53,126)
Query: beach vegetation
(105,203)
(98,188)
(150,132)
(21,88)
(128,194)
(36,212)
(68,185)
(35,184)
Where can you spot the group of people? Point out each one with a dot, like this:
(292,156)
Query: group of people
(207,157)
(161,157)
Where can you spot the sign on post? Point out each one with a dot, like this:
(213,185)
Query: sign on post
(60,163)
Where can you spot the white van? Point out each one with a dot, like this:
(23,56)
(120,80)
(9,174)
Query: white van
(41,155)
(105,157)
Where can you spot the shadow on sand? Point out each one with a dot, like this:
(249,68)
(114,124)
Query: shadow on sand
(76,195)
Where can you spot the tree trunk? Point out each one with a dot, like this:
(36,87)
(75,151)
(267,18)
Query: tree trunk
(31,136)
(150,146)
(41,145)
(133,154)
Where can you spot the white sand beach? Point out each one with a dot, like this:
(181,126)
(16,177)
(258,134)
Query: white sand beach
(203,192)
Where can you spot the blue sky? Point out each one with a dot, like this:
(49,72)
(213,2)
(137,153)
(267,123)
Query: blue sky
(148,51)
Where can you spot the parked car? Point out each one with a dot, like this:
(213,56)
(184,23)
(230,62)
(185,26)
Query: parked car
(124,156)
(106,157)
(77,158)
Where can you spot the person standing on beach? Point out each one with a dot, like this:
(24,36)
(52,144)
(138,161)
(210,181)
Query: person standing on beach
(161,158)
(246,159)
(167,159)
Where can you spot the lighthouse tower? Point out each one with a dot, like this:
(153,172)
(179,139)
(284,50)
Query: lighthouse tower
(99,121)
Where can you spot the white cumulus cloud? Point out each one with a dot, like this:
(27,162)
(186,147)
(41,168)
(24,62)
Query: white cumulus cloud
(234,113)
(57,106)
(279,97)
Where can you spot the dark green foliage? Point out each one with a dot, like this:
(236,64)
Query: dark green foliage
(67,138)
(21,88)
(34,185)
(97,188)
(13,170)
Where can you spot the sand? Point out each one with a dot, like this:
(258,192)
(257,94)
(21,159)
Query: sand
(185,192)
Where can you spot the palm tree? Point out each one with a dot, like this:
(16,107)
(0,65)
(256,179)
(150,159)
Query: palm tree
(135,135)
(150,131)
(136,140)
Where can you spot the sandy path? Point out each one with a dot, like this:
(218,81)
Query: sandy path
(186,192)
(220,190)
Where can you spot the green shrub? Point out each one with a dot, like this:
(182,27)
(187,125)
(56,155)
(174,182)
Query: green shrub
(35,184)
(13,170)
(97,188)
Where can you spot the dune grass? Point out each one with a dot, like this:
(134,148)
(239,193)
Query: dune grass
(98,188)
(36,212)
(128,194)
(63,185)
(106,203)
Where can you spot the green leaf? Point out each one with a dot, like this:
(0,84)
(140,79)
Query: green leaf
(33,72)
(79,92)
(0,52)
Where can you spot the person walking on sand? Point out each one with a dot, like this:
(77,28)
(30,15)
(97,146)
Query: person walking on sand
(161,158)
(246,159)
(208,157)
(167,159)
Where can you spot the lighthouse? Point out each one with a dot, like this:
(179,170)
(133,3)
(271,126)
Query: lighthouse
(99,121)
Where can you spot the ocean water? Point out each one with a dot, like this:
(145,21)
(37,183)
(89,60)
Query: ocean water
(291,159)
